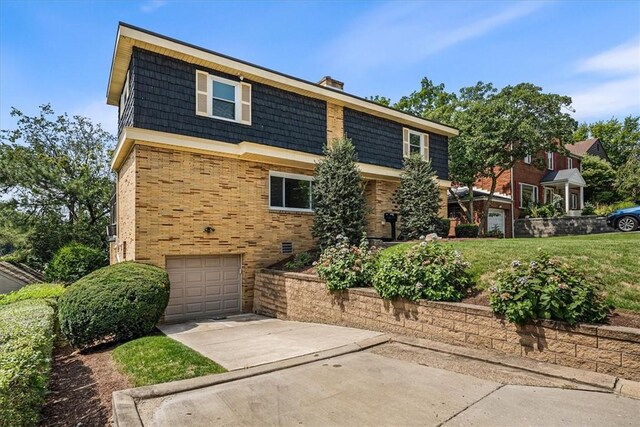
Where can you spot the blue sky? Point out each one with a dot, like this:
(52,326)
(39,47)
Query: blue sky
(60,52)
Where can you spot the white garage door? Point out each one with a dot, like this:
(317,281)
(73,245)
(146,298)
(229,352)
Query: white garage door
(496,220)
(205,286)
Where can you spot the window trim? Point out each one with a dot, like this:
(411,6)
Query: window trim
(299,177)
(237,104)
(569,163)
(535,192)
(424,143)
(527,159)
(548,190)
(550,161)
(573,197)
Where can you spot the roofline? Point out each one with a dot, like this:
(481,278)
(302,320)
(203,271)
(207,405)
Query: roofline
(294,81)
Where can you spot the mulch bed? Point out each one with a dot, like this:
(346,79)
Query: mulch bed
(81,387)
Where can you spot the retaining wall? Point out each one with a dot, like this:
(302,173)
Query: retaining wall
(607,349)
(565,226)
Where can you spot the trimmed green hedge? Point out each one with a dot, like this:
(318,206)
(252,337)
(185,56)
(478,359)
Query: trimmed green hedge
(74,261)
(467,230)
(116,303)
(27,332)
(49,291)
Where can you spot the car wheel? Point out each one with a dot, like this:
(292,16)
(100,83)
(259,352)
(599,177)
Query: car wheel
(627,223)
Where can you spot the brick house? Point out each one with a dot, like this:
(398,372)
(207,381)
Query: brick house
(215,158)
(524,184)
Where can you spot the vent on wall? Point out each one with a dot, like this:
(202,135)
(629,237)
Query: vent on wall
(287,247)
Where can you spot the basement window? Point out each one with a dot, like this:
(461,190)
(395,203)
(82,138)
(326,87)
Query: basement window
(290,192)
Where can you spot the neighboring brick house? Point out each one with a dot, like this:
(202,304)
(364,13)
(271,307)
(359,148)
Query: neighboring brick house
(215,159)
(524,184)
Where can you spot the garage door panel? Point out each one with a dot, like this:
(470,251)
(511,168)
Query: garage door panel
(206,286)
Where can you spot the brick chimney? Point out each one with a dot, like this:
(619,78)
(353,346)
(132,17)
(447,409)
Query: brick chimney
(329,82)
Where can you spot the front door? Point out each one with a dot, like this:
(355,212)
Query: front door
(496,220)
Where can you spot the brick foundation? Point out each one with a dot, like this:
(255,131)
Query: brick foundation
(607,349)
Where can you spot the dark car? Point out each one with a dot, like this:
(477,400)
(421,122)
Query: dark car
(625,219)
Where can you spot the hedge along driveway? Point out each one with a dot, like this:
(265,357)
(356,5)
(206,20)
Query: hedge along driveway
(27,332)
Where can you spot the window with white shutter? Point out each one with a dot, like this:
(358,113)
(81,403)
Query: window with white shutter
(222,98)
(415,143)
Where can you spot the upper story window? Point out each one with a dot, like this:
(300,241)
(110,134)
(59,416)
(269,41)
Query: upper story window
(550,163)
(290,192)
(415,143)
(222,98)
(124,95)
(569,163)
(527,159)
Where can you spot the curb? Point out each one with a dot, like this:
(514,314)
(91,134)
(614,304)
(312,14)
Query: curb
(125,412)
(605,382)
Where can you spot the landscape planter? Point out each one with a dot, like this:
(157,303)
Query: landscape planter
(611,350)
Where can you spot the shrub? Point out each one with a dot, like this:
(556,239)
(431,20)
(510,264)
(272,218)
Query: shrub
(588,209)
(34,291)
(467,230)
(27,331)
(443,226)
(301,260)
(553,209)
(418,198)
(344,266)
(422,271)
(338,195)
(118,302)
(73,261)
(604,210)
(495,232)
(547,289)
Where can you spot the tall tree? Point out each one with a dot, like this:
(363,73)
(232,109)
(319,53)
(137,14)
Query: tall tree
(418,198)
(619,139)
(338,195)
(628,177)
(506,126)
(56,170)
(600,179)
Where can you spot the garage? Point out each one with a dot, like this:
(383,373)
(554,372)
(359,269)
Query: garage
(203,287)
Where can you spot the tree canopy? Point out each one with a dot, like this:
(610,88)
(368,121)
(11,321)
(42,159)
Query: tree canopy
(55,169)
(619,138)
(600,179)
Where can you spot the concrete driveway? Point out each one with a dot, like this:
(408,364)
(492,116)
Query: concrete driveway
(248,340)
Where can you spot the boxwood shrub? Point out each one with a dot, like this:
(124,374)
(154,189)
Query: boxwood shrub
(48,291)
(422,271)
(467,230)
(73,261)
(27,330)
(547,289)
(116,303)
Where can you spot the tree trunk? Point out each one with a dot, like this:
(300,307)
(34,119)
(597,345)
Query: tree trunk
(485,211)
(460,203)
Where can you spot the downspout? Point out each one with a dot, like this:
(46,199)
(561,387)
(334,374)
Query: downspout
(513,224)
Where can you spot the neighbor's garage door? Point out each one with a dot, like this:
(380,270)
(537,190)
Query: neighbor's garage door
(205,286)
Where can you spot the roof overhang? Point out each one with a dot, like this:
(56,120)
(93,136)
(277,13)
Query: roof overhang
(564,176)
(249,151)
(129,37)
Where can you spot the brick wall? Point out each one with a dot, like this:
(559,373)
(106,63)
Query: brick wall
(125,245)
(607,349)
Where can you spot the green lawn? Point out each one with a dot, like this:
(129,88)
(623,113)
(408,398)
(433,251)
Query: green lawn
(159,359)
(612,258)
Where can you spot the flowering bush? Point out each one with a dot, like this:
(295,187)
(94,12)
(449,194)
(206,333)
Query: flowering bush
(345,266)
(547,289)
(423,271)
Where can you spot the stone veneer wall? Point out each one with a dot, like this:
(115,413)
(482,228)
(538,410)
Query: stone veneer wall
(566,226)
(607,349)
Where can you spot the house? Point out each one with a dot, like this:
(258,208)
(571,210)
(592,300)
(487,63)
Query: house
(534,179)
(14,276)
(591,146)
(215,159)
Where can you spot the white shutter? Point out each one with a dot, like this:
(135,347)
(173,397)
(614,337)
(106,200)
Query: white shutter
(202,94)
(425,145)
(405,142)
(245,103)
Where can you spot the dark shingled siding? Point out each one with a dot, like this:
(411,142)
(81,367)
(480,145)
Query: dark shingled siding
(165,101)
(379,142)
(126,119)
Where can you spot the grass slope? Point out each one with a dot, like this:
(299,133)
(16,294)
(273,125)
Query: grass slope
(614,259)
(160,359)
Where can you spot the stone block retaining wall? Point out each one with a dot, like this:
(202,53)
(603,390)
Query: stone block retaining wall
(565,226)
(607,349)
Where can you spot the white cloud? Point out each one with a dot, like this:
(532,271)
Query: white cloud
(621,59)
(100,112)
(409,32)
(152,5)
(619,93)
